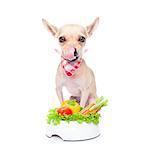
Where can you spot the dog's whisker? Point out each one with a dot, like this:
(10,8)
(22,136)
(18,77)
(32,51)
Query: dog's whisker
(57,51)
(85,50)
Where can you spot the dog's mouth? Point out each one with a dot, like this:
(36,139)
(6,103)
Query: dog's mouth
(73,60)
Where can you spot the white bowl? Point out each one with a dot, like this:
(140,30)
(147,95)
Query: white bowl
(73,131)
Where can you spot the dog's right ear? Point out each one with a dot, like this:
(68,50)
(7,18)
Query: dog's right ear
(51,28)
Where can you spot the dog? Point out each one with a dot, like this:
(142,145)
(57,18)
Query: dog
(73,72)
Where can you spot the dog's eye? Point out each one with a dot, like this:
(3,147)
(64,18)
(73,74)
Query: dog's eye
(81,39)
(62,39)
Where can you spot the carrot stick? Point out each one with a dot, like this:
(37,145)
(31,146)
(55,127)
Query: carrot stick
(86,112)
(87,107)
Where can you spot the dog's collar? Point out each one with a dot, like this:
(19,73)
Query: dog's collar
(69,67)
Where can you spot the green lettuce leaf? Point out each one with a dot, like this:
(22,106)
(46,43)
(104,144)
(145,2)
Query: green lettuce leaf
(54,118)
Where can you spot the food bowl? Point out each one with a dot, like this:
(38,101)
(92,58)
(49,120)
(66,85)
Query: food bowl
(71,123)
(73,131)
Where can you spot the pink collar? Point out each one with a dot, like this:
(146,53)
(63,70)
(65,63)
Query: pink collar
(70,68)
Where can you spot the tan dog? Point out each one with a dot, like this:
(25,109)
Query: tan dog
(73,73)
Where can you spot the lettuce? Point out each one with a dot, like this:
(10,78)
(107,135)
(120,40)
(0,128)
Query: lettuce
(54,118)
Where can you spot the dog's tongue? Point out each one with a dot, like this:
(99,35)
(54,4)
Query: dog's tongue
(70,53)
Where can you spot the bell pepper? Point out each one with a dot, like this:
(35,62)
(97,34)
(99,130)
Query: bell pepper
(72,104)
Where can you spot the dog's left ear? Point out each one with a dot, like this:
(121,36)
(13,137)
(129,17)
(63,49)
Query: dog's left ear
(91,28)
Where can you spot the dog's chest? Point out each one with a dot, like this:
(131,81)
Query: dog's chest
(73,85)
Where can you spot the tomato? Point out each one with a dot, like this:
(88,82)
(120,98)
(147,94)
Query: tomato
(72,104)
(64,111)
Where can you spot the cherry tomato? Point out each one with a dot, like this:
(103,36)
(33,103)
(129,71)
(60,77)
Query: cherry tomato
(64,111)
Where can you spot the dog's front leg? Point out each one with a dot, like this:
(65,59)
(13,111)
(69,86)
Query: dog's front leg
(59,94)
(84,98)
(59,85)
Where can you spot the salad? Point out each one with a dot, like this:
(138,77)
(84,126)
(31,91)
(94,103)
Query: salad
(70,110)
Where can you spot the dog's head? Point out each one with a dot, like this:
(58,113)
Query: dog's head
(72,38)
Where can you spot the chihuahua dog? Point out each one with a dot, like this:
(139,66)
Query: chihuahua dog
(72,72)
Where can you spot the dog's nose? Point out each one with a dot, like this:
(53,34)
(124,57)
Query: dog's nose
(75,52)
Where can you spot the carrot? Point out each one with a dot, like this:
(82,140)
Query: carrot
(86,112)
(95,111)
(94,107)
(87,107)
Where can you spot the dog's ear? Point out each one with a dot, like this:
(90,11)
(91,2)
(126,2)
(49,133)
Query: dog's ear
(91,28)
(51,28)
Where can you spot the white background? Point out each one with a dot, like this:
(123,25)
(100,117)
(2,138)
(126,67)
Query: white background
(118,54)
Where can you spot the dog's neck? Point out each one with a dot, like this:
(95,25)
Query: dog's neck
(70,67)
